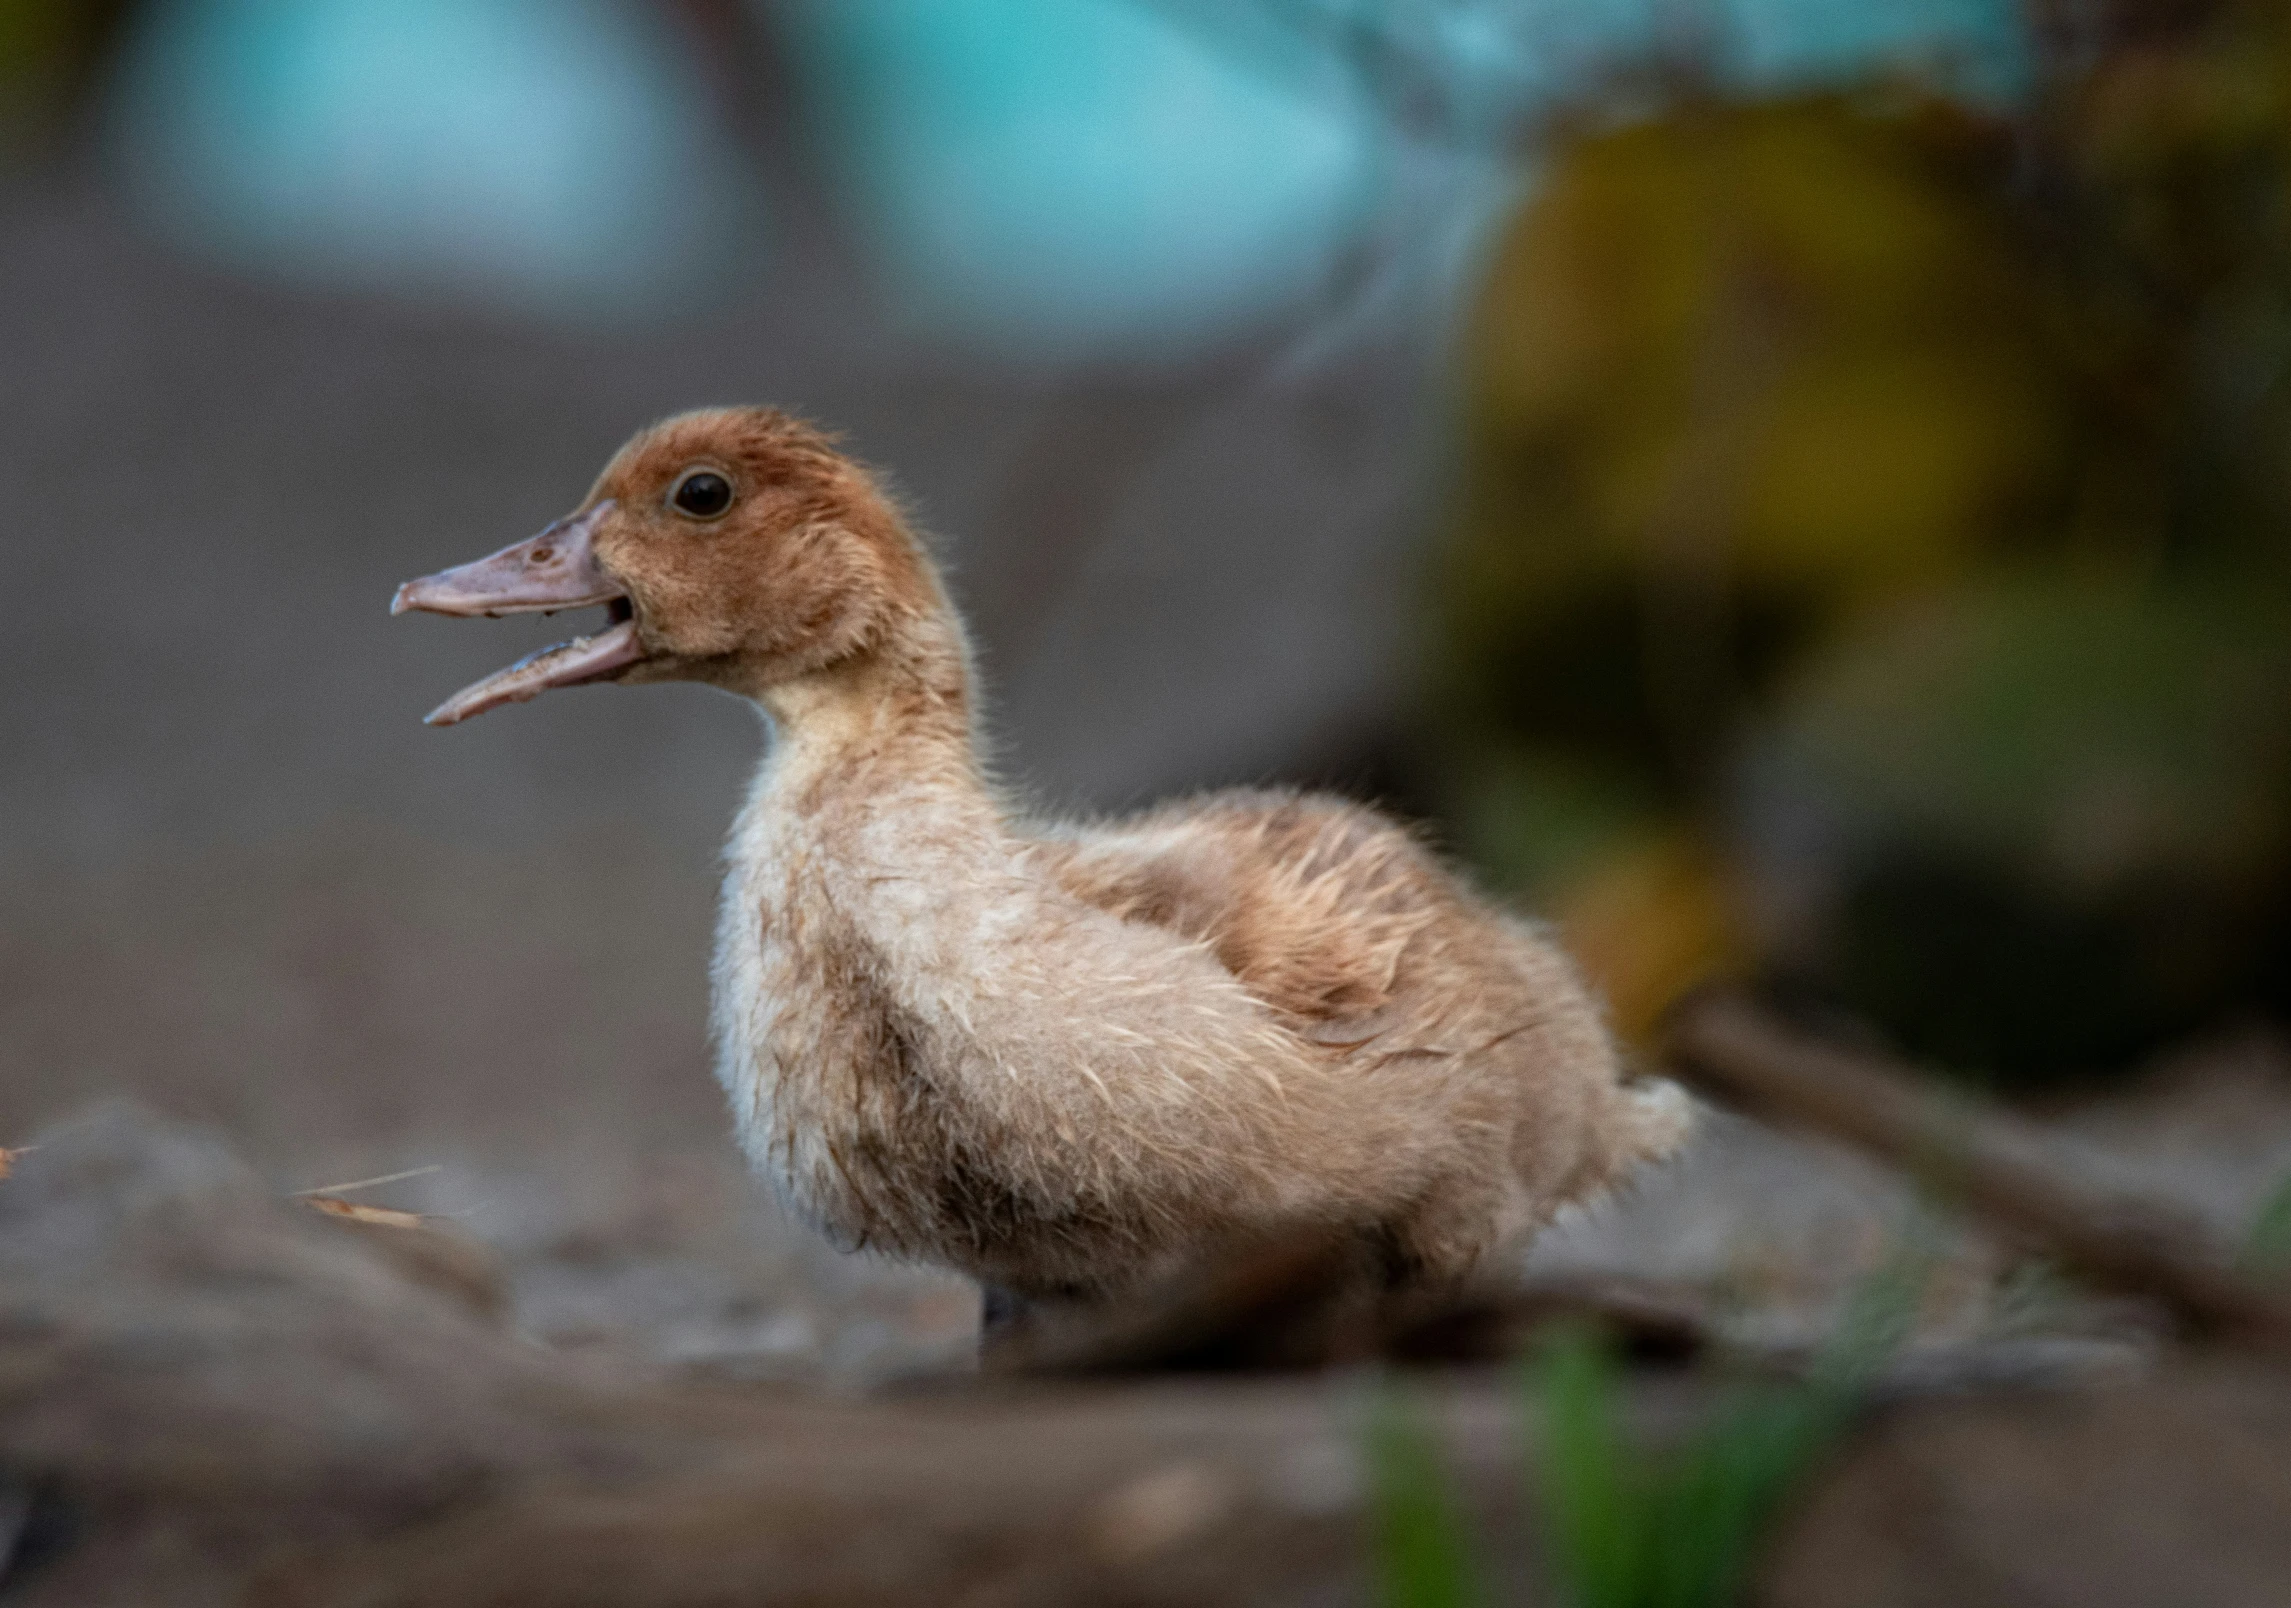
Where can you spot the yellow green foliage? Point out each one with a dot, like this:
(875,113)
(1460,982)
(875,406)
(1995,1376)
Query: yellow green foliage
(1788,334)
(1934,463)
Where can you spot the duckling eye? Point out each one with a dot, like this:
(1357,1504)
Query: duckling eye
(703,494)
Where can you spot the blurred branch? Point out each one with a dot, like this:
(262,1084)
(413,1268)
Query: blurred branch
(1976,1156)
(1410,85)
(1421,86)
(763,92)
(1055,498)
(1550,71)
(2076,29)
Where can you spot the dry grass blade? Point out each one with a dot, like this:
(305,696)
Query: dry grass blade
(380,1216)
(372,1183)
(327,1198)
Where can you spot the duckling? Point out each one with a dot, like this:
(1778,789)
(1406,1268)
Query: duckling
(1062,1057)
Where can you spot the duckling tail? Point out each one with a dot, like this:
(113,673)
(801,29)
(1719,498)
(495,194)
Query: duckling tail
(1655,1119)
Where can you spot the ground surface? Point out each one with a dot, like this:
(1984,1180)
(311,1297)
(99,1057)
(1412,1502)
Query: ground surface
(209,1395)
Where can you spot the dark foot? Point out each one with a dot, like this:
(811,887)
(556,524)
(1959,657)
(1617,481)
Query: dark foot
(1001,1310)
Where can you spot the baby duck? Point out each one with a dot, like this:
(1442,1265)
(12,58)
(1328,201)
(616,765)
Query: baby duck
(1061,1057)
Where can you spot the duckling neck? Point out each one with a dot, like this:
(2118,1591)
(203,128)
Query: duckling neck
(888,721)
(863,848)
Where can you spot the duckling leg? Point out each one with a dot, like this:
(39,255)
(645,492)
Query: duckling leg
(1447,1234)
(1000,1310)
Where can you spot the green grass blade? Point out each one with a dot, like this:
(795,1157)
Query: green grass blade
(1423,1551)
(1629,1529)
(1595,1511)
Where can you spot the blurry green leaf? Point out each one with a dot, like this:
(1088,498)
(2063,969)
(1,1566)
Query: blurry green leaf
(1595,1504)
(1897,503)
(1631,1529)
(1792,330)
(1424,1552)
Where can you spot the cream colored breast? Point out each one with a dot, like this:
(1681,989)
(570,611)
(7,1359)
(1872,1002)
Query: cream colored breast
(777,1048)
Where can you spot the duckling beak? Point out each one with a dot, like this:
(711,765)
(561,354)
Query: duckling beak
(557,569)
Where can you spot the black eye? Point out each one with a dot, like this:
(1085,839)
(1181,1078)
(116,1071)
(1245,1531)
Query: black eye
(703,494)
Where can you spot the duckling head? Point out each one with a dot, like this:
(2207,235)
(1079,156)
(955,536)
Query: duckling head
(733,545)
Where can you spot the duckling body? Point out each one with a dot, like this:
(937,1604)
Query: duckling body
(1063,1057)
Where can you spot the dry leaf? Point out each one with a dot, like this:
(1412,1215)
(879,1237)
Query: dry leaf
(335,1206)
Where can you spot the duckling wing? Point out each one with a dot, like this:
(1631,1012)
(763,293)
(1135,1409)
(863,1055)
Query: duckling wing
(1312,904)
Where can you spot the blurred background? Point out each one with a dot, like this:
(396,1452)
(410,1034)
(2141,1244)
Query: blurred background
(1794,492)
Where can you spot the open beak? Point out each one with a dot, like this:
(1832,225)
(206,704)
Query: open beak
(557,569)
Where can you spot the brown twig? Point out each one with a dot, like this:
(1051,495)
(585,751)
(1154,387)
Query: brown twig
(1976,1156)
